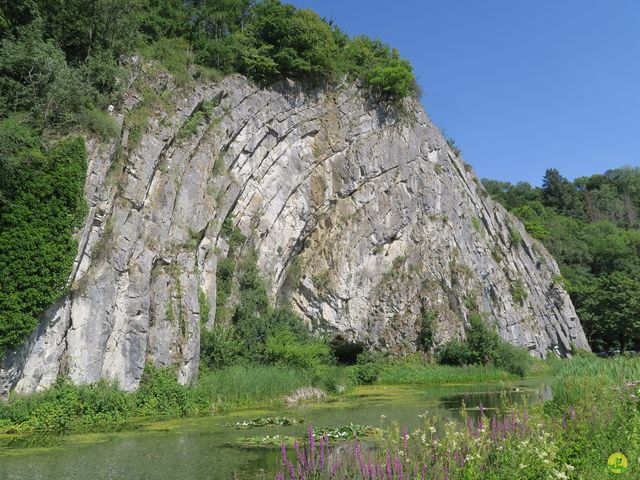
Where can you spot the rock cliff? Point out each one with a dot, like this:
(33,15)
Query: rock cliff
(361,216)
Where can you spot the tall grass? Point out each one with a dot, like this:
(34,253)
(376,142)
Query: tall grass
(582,378)
(244,385)
(398,373)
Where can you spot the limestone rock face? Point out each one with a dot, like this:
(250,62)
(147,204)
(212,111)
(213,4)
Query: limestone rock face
(361,217)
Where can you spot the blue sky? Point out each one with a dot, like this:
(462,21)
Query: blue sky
(522,85)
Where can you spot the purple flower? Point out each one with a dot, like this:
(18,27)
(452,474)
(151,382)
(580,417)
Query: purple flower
(321,453)
(296,447)
(371,470)
(312,447)
(283,450)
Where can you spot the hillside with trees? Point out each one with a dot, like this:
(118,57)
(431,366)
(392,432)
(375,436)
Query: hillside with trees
(592,227)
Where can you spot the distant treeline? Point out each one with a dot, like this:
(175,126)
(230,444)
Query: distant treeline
(592,227)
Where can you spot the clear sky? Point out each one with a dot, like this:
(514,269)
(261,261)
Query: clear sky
(522,85)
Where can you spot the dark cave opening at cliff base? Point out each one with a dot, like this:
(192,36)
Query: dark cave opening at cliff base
(346,352)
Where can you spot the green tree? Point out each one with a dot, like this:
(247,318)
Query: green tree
(533,217)
(481,340)
(558,193)
(164,19)
(84,27)
(612,307)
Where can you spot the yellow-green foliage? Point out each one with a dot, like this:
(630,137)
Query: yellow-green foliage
(174,55)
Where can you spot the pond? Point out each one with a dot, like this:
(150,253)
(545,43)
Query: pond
(211,448)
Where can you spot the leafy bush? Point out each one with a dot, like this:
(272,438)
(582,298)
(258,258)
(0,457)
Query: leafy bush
(368,368)
(455,353)
(174,54)
(98,122)
(161,394)
(220,347)
(518,291)
(481,340)
(425,333)
(512,359)
(394,79)
(283,348)
(483,346)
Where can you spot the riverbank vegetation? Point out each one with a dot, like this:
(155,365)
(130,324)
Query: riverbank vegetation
(570,437)
(103,406)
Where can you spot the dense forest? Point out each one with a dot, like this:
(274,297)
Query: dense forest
(63,63)
(592,227)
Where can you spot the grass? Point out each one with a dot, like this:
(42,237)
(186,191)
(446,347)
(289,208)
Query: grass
(591,377)
(249,385)
(407,373)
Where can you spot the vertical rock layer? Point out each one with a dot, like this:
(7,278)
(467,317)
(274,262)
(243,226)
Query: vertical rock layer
(363,218)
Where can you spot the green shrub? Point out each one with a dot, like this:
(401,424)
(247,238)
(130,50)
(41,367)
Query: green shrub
(481,340)
(454,352)
(512,359)
(98,122)
(425,333)
(515,238)
(66,407)
(483,346)
(160,394)
(518,291)
(365,374)
(220,347)
(283,348)
(368,367)
(175,55)
(394,79)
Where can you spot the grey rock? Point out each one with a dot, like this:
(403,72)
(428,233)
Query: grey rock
(384,221)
